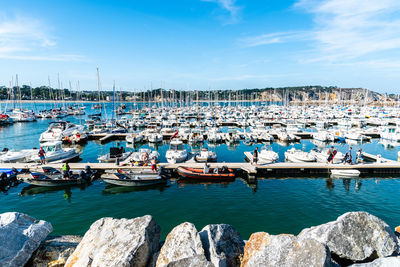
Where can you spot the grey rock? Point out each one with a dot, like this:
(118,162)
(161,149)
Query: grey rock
(381,262)
(263,249)
(222,244)
(182,242)
(118,242)
(355,236)
(20,236)
(195,261)
(54,251)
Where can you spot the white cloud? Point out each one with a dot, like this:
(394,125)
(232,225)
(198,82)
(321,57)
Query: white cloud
(229,6)
(273,38)
(24,38)
(343,29)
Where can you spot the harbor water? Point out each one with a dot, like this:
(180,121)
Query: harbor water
(275,205)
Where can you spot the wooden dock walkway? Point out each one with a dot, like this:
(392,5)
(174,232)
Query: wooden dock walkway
(279,169)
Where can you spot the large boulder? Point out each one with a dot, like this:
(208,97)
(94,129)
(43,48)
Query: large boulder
(118,242)
(20,236)
(54,251)
(263,249)
(354,236)
(194,261)
(182,242)
(380,262)
(222,244)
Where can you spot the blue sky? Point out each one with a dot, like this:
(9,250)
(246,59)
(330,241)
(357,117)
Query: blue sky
(201,44)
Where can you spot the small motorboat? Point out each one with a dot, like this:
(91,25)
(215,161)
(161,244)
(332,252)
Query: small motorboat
(211,174)
(116,153)
(206,156)
(136,179)
(53,177)
(294,155)
(10,156)
(134,138)
(265,156)
(321,155)
(56,153)
(346,173)
(176,152)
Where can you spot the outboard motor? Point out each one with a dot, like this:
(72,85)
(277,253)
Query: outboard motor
(3,176)
(88,170)
(82,175)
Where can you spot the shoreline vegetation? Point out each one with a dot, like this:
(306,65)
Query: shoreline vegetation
(353,239)
(286,95)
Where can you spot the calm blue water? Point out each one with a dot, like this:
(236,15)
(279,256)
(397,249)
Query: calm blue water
(273,205)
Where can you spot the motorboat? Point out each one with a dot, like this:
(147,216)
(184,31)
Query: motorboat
(154,137)
(232,136)
(143,156)
(216,174)
(391,133)
(265,156)
(321,155)
(134,178)
(19,115)
(10,156)
(295,155)
(324,136)
(57,131)
(354,135)
(52,177)
(176,152)
(206,155)
(345,173)
(76,137)
(116,153)
(133,138)
(55,152)
(214,136)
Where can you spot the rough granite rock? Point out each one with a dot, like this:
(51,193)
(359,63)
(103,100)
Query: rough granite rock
(381,262)
(54,251)
(263,249)
(355,236)
(222,244)
(182,242)
(20,236)
(118,242)
(195,261)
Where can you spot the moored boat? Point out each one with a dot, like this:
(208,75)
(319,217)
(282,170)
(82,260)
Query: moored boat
(134,179)
(53,177)
(210,174)
(345,173)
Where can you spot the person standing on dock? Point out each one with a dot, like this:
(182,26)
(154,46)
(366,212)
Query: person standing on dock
(42,156)
(347,157)
(153,164)
(255,156)
(65,170)
(359,156)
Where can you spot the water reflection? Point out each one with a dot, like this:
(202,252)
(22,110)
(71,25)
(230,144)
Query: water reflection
(34,190)
(115,189)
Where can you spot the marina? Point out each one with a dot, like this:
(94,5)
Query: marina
(205,140)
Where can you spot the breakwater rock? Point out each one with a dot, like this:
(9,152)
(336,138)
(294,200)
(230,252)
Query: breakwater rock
(354,239)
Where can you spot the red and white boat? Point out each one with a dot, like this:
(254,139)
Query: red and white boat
(212,173)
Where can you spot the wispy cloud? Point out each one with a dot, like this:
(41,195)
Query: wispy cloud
(343,29)
(23,38)
(274,38)
(230,7)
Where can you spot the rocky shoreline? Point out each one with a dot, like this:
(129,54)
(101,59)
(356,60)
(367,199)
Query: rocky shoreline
(354,239)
